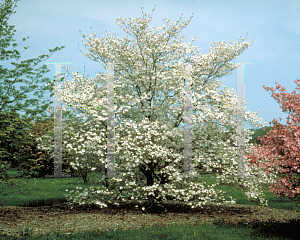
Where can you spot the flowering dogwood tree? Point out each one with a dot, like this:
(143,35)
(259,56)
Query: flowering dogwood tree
(149,143)
(280,146)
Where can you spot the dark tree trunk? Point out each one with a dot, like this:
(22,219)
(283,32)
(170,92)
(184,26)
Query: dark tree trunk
(150,180)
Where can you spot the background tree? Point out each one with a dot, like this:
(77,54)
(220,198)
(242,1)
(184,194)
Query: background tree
(259,133)
(38,163)
(12,137)
(11,100)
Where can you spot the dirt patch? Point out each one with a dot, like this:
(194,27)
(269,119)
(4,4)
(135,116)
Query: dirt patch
(48,219)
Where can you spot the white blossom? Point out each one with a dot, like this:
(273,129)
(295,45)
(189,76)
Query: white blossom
(140,142)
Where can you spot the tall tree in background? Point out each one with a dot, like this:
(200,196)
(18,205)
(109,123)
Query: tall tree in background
(258,134)
(38,163)
(11,137)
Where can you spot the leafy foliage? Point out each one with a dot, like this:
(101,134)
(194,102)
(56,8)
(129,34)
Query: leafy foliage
(12,138)
(12,125)
(260,132)
(36,162)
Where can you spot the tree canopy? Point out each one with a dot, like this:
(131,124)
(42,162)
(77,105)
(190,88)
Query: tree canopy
(12,125)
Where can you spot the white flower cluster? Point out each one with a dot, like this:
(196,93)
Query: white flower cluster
(148,143)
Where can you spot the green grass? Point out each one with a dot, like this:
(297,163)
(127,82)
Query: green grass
(219,231)
(48,191)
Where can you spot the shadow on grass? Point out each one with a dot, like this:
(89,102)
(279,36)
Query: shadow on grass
(268,230)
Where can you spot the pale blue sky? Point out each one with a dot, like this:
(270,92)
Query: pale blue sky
(273,26)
